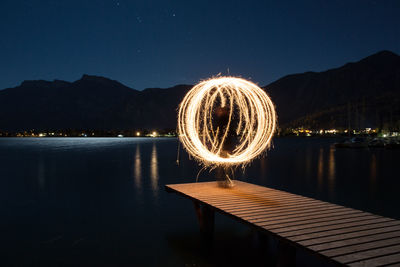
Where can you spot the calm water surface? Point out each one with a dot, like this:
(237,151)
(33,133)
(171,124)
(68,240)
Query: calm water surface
(101,201)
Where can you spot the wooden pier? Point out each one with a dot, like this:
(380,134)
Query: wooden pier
(336,234)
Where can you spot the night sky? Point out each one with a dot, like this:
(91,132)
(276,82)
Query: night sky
(163,43)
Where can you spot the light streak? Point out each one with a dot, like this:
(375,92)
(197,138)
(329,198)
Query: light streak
(252,119)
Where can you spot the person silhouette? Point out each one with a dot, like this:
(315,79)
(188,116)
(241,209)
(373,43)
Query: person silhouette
(221,122)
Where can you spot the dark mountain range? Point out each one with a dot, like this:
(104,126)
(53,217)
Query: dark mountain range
(89,103)
(361,94)
(364,94)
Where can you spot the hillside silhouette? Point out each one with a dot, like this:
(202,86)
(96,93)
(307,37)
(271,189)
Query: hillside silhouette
(360,94)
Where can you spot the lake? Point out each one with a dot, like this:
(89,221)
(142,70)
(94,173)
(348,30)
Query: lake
(101,201)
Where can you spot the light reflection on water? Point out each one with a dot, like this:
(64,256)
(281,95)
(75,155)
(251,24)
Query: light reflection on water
(320,168)
(331,171)
(154,170)
(138,169)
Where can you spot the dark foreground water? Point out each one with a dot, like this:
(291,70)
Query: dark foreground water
(101,201)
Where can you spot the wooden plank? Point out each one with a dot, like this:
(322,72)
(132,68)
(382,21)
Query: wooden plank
(299,210)
(211,189)
(247,195)
(372,221)
(265,222)
(228,193)
(372,253)
(288,209)
(378,261)
(270,214)
(210,192)
(338,233)
(252,209)
(273,223)
(243,193)
(306,240)
(274,226)
(252,204)
(270,201)
(353,241)
(295,206)
(305,224)
(360,247)
(237,200)
(240,202)
(251,194)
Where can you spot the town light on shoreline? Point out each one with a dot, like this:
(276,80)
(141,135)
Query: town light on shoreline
(247,104)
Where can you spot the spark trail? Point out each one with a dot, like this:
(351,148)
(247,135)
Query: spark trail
(251,118)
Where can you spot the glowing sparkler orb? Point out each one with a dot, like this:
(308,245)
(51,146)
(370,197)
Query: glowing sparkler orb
(250,120)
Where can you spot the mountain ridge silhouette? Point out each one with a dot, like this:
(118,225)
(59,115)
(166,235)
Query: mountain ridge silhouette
(365,93)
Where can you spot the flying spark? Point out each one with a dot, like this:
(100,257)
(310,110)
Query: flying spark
(251,118)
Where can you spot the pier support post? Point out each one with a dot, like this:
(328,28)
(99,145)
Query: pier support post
(286,254)
(205,217)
